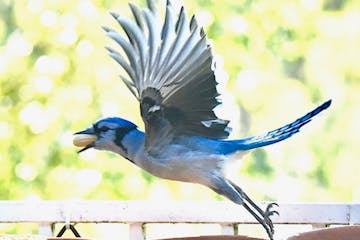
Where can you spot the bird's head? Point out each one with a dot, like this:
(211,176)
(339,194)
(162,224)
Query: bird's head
(105,134)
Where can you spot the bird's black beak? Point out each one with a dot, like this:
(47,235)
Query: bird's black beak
(89,131)
(85,139)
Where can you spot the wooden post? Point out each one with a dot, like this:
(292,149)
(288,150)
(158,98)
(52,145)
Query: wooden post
(46,229)
(227,229)
(136,231)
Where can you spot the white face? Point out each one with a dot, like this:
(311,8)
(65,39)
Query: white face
(106,133)
(110,136)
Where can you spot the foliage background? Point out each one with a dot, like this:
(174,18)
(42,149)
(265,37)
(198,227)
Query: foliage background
(278,59)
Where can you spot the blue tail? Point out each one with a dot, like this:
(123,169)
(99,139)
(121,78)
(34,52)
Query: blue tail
(279,134)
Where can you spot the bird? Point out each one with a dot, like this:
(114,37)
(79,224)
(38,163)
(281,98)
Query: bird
(168,65)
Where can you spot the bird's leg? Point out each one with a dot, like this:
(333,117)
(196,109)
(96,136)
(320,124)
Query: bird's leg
(238,196)
(265,221)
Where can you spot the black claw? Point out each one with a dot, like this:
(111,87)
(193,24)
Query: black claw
(271,213)
(267,214)
(271,205)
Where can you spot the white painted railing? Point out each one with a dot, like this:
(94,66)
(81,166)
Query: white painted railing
(138,213)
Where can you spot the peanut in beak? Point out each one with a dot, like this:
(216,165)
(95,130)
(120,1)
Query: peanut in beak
(83,140)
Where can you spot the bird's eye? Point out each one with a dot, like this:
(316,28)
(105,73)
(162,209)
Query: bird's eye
(104,128)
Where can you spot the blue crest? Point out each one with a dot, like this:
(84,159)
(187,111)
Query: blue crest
(119,121)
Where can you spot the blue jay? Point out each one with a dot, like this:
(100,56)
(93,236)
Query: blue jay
(170,70)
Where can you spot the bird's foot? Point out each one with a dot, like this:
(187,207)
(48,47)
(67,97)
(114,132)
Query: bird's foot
(263,217)
(267,214)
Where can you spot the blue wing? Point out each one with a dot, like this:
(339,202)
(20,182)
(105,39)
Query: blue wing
(274,136)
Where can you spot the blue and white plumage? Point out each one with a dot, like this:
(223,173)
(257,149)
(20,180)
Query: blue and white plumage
(170,70)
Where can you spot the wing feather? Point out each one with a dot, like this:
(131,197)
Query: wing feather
(171,72)
(154,38)
(127,47)
(167,35)
(130,85)
(137,16)
(193,23)
(135,34)
(119,59)
(173,51)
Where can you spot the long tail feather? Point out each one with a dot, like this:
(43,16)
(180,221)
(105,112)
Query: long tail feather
(279,134)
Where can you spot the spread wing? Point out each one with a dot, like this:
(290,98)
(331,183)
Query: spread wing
(170,70)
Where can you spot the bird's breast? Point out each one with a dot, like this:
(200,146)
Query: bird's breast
(186,167)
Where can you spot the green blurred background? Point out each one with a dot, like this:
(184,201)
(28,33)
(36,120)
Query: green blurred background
(278,59)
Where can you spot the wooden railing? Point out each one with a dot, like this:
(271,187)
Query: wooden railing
(138,213)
